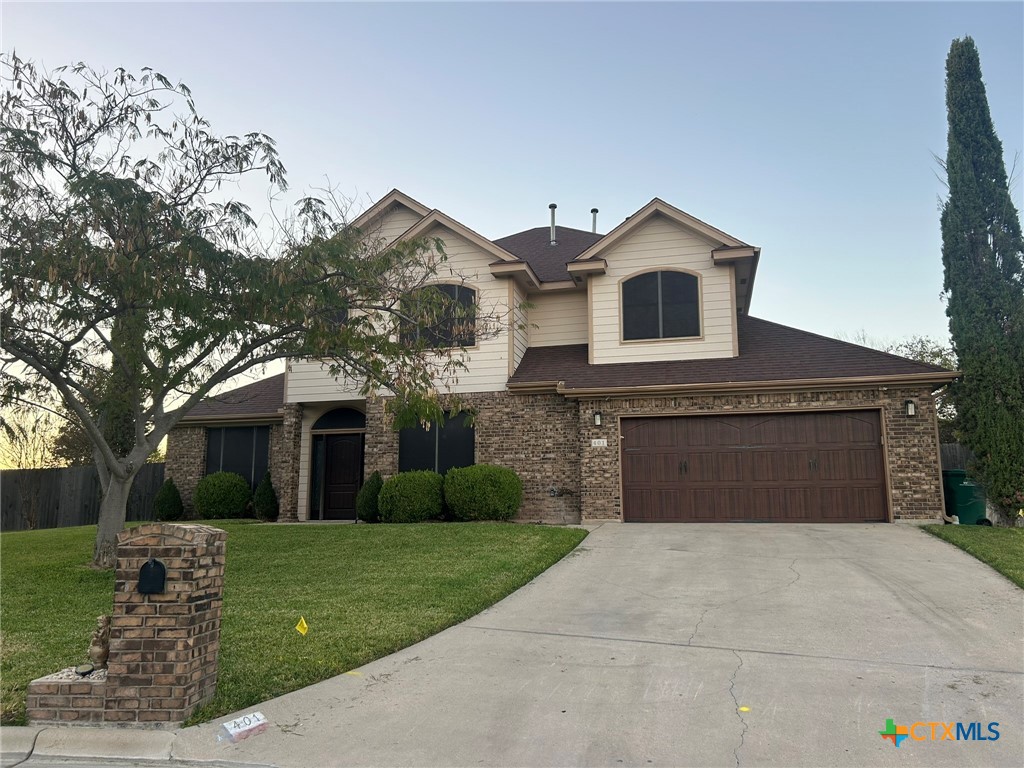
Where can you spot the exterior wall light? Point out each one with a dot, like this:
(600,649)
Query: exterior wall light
(911,407)
(597,418)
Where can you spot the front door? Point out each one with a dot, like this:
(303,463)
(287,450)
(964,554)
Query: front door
(342,476)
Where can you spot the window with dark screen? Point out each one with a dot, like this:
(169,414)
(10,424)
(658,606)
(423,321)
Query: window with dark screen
(242,450)
(453,323)
(660,305)
(437,448)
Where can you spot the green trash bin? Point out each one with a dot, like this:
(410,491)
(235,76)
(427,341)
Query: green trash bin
(963,497)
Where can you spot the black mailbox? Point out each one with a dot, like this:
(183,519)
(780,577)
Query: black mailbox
(152,577)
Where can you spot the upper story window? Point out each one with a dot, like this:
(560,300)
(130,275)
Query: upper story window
(447,312)
(661,305)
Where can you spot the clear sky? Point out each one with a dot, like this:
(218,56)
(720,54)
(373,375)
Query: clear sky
(807,129)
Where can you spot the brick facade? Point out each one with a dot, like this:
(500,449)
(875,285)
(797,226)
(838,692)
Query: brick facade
(911,444)
(285,447)
(536,435)
(163,646)
(547,440)
(186,461)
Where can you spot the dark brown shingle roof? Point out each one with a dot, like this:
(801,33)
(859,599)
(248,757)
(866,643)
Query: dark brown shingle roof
(768,352)
(261,398)
(548,261)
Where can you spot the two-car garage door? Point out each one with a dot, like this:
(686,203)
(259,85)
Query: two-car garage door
(792,467)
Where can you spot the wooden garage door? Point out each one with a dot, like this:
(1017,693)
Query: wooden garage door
(797,468)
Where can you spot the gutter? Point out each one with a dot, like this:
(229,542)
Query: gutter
(559,387)
(197,421)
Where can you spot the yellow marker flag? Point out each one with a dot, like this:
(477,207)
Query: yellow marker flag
(302,627)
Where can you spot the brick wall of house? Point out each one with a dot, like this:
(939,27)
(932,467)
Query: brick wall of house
(910,443)
(186,461)
(536,435)
(285,446)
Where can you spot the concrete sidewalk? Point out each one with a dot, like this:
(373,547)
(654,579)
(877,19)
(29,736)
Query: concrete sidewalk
(709,645)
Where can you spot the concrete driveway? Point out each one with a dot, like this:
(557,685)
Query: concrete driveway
(703,645)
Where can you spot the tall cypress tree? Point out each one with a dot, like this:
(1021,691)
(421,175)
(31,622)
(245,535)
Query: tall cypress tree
(982,253)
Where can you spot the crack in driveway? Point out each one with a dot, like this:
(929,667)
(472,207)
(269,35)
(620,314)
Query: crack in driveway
(777,587)
(760,651)
(735,701)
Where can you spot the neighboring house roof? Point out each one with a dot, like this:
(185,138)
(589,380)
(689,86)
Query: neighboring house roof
(260,400)
(548,261)
(769,352)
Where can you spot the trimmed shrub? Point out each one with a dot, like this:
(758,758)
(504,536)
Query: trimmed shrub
(410,497)
(221,495)
(167,504)
(264,501)
(483,492)
(367,498)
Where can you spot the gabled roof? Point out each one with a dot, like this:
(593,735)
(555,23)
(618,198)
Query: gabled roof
(393,197)
(657,206)
(436,217)
(769,354)
(548,261)
(261,400)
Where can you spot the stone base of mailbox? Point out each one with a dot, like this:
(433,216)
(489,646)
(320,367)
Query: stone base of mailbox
(163,646)
(67,697)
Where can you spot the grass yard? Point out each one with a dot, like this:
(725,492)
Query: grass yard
(1001,548)
(365,591)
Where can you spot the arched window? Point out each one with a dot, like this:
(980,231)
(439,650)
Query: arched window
(447,316)
(661,305)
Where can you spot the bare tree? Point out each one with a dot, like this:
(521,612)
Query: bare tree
(26,438)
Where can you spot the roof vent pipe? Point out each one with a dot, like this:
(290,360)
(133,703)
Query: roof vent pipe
(552,207)
(594,227)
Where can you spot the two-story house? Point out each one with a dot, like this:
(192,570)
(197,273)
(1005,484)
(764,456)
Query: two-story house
(629,383)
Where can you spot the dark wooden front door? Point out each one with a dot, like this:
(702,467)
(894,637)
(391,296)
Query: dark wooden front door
(800,467)
(343,475)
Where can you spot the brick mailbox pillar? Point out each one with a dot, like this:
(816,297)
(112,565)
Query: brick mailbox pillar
(163,645)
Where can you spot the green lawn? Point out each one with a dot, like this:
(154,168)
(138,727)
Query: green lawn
(1002,548)
(364,590)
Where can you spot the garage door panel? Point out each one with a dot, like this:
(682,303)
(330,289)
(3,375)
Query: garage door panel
(808,467)
(666,468)
(638,502)
(699,503)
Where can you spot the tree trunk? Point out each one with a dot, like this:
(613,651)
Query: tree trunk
(113,510)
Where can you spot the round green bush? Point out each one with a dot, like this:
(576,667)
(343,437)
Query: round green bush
(221,495)
(483,492)
(264,501)
(411,497)
(366,500)
(167,504)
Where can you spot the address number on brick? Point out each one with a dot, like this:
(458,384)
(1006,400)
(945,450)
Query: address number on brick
(243,727)
(599,442)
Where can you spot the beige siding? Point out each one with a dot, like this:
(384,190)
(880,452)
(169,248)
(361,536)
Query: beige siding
(392,224)
(558,318)
(520,325)
(310,382)
(662,244)
(488,361)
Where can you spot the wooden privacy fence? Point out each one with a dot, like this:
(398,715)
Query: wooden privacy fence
(955,456)
(57,498)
